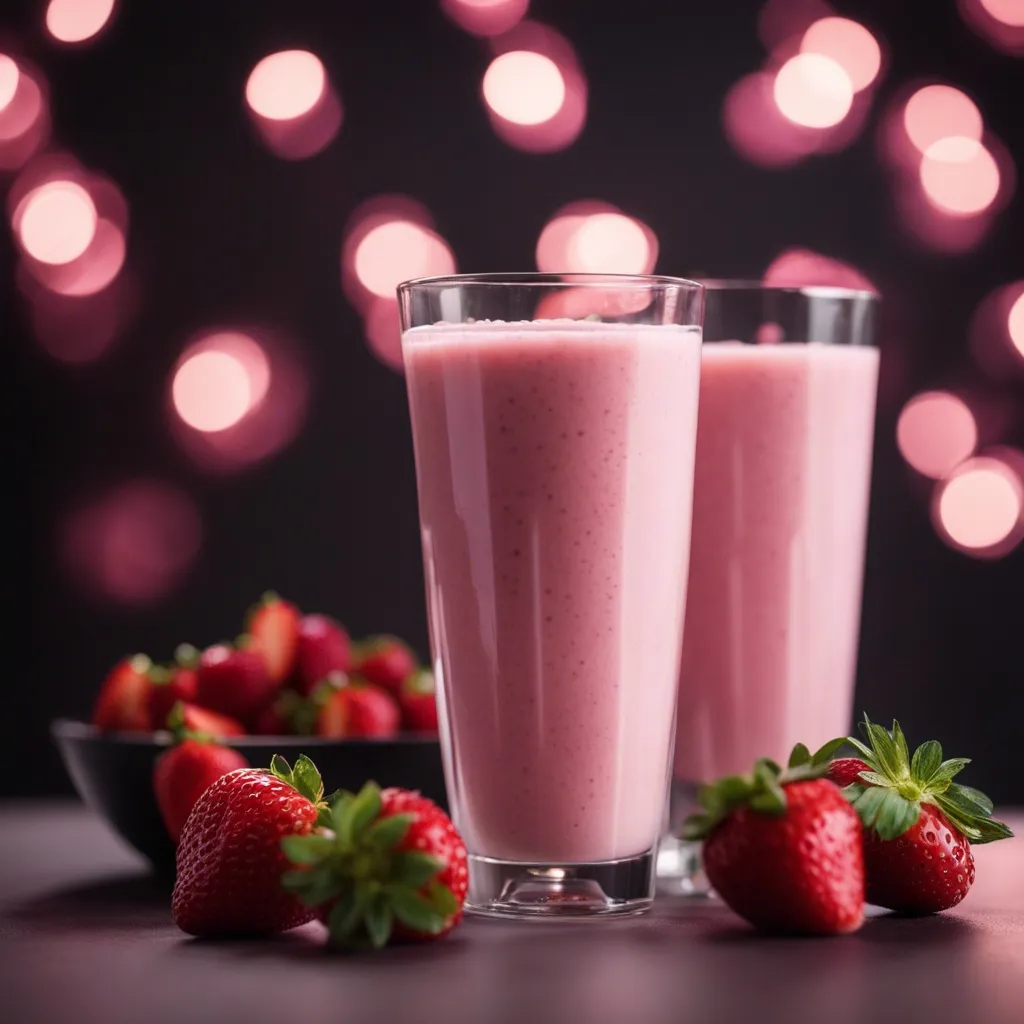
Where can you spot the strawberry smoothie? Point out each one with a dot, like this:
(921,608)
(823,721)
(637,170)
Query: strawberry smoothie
(554,465)
(779,522)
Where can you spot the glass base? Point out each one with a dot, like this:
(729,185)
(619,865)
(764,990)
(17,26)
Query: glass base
(502,888)
(679,867)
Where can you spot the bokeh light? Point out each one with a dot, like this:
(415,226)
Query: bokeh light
(390,239)
(813,90)
(56,222)
(396,251)
(804,268)
(850,45)
(133,544)
(937,112)
(960,176)
(936,431)
(237,396)
(591,236)
(24,116)
(523,87)
(485,17)
(610,243)
(293,104)
(978,508)
(383,332)
(286,85)
(101,261)
(212,390)
(755,127)
(1009,12)
(534,90)
(9,76)
(76,21)
(996,332)
(999,22)
(1015,323)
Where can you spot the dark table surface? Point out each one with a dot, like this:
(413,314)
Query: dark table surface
(87,937)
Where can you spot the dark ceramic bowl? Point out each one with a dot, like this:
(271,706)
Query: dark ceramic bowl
(113,773)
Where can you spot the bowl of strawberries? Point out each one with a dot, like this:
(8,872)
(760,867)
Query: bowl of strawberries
(290,684)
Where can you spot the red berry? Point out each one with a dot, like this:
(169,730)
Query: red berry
(322,648)
(235,682)
(927,869)
(359,710)
(209,723)
(799,871)
(170,686)
(846,770)
(385,661)
(395,867)
(123,701)
(918,823)
(273,627)
(184,773)
(418,701)
(230,861)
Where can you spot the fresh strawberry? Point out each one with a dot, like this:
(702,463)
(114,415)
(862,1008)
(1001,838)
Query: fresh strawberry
(273,626)
(393,867)
(358,709)
(418,701)
(385,661)
(782,849)
(123,701)
(197,719)
(918,824)
(183,773)
(230,858)
(234,681)
(323,648)
(172,683)
(844,771)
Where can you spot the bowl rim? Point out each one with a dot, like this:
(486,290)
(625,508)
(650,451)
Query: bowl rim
(73,729)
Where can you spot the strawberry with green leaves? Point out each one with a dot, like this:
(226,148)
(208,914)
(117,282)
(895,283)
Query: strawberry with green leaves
(384,661)
(918,823)
(390,866)
(230,861)
(782,847)
(182,774)
(176,681)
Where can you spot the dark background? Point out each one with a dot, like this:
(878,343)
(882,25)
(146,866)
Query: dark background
(223,231)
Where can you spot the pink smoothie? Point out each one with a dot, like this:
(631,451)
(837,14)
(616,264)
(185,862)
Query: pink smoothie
(554,466)
(779,521)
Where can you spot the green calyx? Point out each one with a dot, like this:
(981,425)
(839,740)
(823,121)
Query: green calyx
(305,778)
(762,790)
(357,865)
(896,784)
(180,731)
(302,713)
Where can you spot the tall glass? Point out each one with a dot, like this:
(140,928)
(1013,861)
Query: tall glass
(787,405)
(554,420)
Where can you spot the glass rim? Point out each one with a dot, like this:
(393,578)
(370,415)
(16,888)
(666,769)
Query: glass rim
(811,291)
(549,280)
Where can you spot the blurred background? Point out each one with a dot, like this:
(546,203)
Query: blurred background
(207,207)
